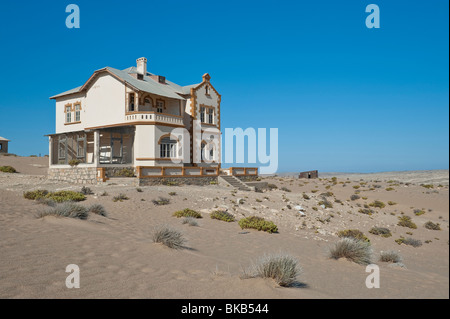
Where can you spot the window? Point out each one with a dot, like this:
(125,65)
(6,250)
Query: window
(77,112)
(202,114)
(81,146)
(159,106)
(210,115)
(131,102)
(68,111)
(167,148)
(62,147)
(207,90)
(148,102)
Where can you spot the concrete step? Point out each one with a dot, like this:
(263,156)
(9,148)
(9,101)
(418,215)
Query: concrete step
(235,182)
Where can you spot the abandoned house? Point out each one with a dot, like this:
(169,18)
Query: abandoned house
(137,121)
(3,145)
(309,174)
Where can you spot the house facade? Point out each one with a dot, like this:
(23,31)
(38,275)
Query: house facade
(4,145)
(134,120)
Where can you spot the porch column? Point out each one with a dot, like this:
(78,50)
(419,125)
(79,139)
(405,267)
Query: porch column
(96,147)
(50,148)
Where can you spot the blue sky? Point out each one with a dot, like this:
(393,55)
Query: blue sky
(343,97)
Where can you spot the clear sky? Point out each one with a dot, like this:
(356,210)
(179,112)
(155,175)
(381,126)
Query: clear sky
(343,97)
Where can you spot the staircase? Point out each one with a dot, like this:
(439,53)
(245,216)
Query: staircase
(235,182)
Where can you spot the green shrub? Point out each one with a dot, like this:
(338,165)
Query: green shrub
(285,189)
(258,223)
(120,198)
(168,236)
(366,211)
(66,209)
(353,233)
(380,231)
(391,203)
(74,162)
(427,186)
(125,172)
(7,169)
(36,194)
(432,226)
(355,197)
(409,241)
(377,204)
(405,221)
(66,196)
(390,189)
(305,196)
(187,213)
(326,203)
(354,250)
(161,201)
(172,193)
(222,215)
(419,212)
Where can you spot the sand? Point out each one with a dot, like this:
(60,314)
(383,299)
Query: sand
(117,258)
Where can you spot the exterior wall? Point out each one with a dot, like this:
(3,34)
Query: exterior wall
(103,104)
(309,174)
(4,147)
(78,175)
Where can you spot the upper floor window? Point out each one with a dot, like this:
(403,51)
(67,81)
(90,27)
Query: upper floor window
(159,106)
(202,114)
(131,102)
(68,111)
(77,112)
(210,115)
(207,90)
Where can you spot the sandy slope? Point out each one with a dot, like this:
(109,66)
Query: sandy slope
(117,258)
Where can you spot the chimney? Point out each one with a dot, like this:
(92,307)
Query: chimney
(141,64)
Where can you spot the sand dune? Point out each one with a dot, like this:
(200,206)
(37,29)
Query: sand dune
(118,259)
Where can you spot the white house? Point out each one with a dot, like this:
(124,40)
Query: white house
(137,120)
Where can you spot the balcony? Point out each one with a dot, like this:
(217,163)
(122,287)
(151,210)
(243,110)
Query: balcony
(154,117)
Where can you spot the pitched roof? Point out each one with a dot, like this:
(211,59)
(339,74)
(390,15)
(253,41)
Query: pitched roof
(149,85)
(4,139)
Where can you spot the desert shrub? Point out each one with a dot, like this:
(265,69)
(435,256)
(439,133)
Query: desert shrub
(66,196)
(66,209)
(380,231)
(418,212)
(315,208)
(105,193)
(390,256)
(366,211)
(427,186)
(7,169)
(120,198)
(326,203)
(390,189)
(405,221)
(353,233)
(432,226)
(125,172)
(46,201)
(172,193)
(171,183)
(258,223)
(161,201)
(272,186)
(285,189)
(191,221)
(355,197)
(356,186)
(98,209)
(139,190)
(222,215)
(74,162)
(168,236)
(36,194)
(409,241)
(314,191)
(391,203)
(327,194)
(354,250)
(305,196)
(282,268)
(187,213)
(377,204)
(86,190)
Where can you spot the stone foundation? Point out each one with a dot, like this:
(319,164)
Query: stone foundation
(78,175)
(201,181)
(115,171)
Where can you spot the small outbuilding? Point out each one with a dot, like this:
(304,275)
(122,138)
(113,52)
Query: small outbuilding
(3,145)
(309,174)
